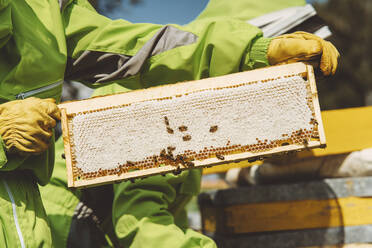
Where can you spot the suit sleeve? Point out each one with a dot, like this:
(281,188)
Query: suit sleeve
(152,211)
(102,50)
(6,27)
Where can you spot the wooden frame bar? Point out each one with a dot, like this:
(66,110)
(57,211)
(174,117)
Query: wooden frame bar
(314,95)
(71,108)
(67,145)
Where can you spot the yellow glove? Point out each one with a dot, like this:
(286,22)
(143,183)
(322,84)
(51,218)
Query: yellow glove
(302,46)
(26,125)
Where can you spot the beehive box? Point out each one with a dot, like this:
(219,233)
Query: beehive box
(318,214)
(171,128)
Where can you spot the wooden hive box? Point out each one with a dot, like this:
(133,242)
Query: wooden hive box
(318,213)
(207,122)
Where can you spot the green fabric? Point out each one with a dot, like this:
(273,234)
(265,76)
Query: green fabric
(245,9)
(153,211)
(29,212)
(33,49)
(3,158)
(218,40)
(5,23)
(59,201)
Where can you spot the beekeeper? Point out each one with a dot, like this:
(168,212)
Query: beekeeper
(44,42)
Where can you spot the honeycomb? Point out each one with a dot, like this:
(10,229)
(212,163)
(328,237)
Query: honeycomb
(181,129)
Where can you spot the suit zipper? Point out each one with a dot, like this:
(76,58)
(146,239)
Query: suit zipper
(26,94)
(15,217)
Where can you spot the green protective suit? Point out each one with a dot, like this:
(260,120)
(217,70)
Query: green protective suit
(150,212)
(42,42)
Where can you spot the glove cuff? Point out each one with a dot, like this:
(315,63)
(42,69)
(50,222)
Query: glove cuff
(3,158)
(257,54)
(259,49)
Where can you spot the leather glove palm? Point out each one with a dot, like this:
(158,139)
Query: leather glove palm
(306,47)
(26,126)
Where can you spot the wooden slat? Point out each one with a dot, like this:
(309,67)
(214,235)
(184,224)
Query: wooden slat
(314,95)
(67,145)
(320,237)
(277,216)
(342,246)
(313,190)
(330,203)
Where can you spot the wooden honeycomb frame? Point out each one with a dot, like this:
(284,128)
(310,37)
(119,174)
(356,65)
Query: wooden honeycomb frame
(70,109)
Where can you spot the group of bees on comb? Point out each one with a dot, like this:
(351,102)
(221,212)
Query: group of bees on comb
(167,154)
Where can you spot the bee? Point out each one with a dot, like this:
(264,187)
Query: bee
(220,157)
(63,156)
(130,163)
(182,128)
(313,121)
(171,149)
(170,130)
(180,159)
(170,153)
(213,129)
(166,121)
(299,132)
(119,170)
(163,153)
(190,164)
(285,144)
(170,157)
(186,138)
(177,171)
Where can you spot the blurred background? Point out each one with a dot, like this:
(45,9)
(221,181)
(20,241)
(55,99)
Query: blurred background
(348,20)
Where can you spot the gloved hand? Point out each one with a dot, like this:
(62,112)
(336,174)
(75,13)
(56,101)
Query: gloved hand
(306,47)
(26,125)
